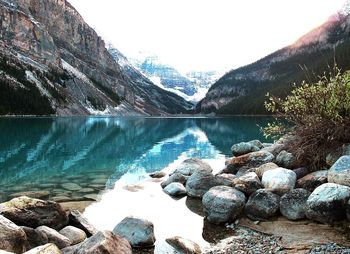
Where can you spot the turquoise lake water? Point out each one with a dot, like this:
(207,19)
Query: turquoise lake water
(106,161)
(49,154)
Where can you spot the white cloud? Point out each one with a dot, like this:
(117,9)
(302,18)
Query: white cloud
(204,34)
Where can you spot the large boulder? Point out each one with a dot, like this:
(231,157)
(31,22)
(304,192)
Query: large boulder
(34,237)
(78,220)
(75,235)
(262,205)
(244,148)
(265,167)
(49,248)
(286,160)
(248,183)
(12,237)
(293,204)
(279,180)
(189,166)
(54,237)
(313,180)
(340,171)
(327,203)
(200,182)
(175,190)
(174,178)
(223,204)
(25,211)
(249,160)
(138,232)
(104,242)
(184,246)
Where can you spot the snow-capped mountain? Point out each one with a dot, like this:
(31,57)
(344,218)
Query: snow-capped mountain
(192,86)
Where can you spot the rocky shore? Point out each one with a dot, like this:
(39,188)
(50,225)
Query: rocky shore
(272,204)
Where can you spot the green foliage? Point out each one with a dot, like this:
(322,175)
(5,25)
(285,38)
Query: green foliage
(320,114)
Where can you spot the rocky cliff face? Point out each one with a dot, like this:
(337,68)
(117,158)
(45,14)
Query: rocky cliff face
(52,62)
(242,91)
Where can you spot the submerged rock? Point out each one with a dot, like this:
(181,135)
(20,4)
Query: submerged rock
(104,242)
(244,148)
(71,186)
(248,183)
(75,235)
(32,194)
(183,245)
(174,178)
(12,237)
(34,238)
(158,174)
(54,237)
(138,232)
(76,219)
(262,205)
(192,165)
(293,204)
(175,189)
(200,182)
(49,248)
(279,180)
(223,204)
(340,171)
(25,211)
(313,180)
(286,160)
(327,203)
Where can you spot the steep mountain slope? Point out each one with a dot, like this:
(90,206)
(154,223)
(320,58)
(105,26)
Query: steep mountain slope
(242,91)
(52,62)
(191,86)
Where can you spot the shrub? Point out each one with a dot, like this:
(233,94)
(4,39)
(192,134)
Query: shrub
(319,115)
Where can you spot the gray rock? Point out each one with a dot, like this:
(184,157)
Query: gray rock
(279,145)
(138,232)
(244,148)
(257,143)
(286,160)
(54,237)
(75,235)
(327,203)
(279,180)
(189,166)
(293,204)
(313,180)
(301,172)
(32,194)
(226,179)
(76,219)
(223,204)
(248,161)
(340,171)
(184,246)
(12,237)
(175,189)
(174,178)
(265,167)
(158,174)
(262,205)
(200,182)
(34,238)
(103,242)
(32,213)
(49,248)
(248,183)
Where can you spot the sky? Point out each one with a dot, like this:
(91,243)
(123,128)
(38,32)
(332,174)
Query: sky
(204,35)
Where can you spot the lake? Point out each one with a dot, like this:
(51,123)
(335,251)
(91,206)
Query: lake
(108,159)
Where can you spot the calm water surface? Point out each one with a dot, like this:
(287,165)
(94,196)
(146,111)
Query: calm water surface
(108,160)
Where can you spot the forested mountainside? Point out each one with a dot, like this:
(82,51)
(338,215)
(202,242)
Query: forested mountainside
(243,91)
(53,63)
